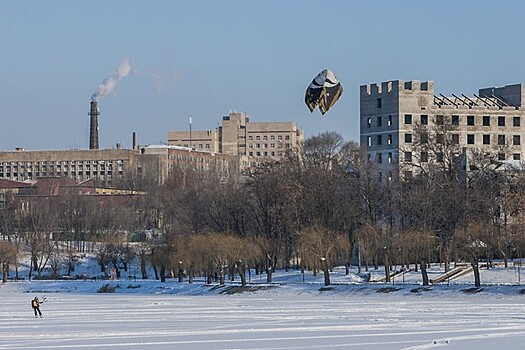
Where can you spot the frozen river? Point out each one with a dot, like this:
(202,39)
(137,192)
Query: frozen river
(266,320)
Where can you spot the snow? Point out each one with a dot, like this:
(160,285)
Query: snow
(287,314)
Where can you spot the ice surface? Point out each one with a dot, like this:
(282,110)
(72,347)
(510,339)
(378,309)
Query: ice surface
(289,314)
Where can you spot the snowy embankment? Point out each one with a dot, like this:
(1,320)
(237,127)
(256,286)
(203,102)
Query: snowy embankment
(497,281)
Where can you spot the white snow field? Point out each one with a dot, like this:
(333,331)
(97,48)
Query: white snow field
(180,316)
(295,312)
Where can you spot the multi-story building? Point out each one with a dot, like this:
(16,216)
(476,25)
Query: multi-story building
(395,116)
(108,166)
(80,165)
(240,137)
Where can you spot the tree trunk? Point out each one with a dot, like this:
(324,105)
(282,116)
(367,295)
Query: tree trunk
(242,273)
(4,272)
(387,269)
(326,272)
(358,260)
(424,273)
(221,277)
(143,269)
(475,267)
(269,270)
(162,273)
(180,273)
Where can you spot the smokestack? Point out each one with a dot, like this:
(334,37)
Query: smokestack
(93,130)
(134,140)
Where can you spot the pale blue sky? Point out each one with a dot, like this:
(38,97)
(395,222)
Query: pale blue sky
(205,58)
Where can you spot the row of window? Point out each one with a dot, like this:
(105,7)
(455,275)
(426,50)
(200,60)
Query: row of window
(59,162)
(424,156)
(470,139)
(265,145)
(486,120)
(198,146)
(265,154)
(270,137)
(471,120)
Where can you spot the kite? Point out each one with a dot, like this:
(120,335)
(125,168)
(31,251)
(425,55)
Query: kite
(323,91)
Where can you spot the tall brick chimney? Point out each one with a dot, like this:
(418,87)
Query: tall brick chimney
(93,130)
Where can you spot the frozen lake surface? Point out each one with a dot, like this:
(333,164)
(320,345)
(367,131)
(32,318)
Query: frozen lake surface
(276,318)
(296,312)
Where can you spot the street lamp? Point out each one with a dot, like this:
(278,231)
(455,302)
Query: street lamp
(189,119)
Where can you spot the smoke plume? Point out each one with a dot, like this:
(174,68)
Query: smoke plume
(109,83)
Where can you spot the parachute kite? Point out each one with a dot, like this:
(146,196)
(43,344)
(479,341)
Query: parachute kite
(323,91)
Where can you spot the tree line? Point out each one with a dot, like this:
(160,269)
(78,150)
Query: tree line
(325,205)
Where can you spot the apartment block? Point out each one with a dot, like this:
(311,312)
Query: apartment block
(239,137)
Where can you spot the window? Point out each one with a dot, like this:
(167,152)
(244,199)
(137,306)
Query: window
(516,156)
(379,121)
(440,119)
(389,157)
(408,174)
(486,139)
(408,156)
(470,120)
(379,140)
(408,138)
(423,119)
(486,120)
(379,158)
(501,139)
(389,139)
(470,139)
(368,122)
(455,139)
(424,138)
(424,157)
(455,120)
(516,140)
(389,122)
(516,121)
(501,156)
(439,138)
(408,118)
(439,157)
(257,138)
(369,141)
(379,103)
(250,138)
(501,121)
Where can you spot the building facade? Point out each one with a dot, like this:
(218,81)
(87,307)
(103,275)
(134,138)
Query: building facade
(239,137)
(105,166)
(397,119)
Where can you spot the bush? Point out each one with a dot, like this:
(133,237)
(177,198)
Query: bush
(107,288)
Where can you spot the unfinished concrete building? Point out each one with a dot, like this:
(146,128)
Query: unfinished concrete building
(397,119)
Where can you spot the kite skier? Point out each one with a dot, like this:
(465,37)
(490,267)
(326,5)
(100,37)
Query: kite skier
(35,304)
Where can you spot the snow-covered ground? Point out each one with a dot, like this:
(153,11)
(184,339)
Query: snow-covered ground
(289,314)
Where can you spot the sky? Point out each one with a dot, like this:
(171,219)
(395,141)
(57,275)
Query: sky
(206,58)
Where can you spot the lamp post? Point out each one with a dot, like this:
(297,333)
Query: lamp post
(189,119)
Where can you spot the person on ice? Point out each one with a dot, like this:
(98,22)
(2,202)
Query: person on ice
(35,304)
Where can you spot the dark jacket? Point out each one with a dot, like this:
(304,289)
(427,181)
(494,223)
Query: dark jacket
(35,303)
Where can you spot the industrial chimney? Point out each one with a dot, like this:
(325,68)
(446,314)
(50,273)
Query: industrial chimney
(93,130)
